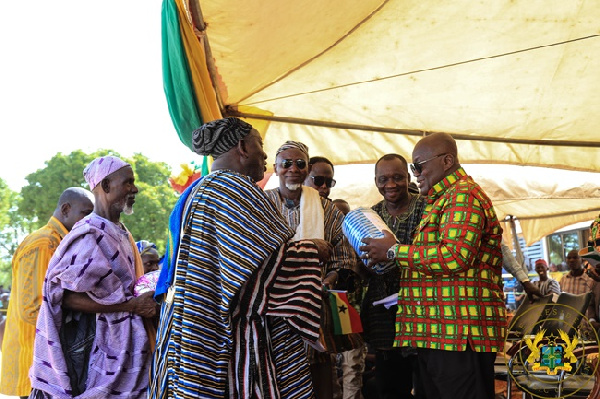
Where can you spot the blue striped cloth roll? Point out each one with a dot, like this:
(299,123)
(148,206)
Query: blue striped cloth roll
(362,223)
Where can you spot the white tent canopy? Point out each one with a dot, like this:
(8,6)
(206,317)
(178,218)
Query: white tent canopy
(515,82)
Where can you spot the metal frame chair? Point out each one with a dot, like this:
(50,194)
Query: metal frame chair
(560,323)
(527,318)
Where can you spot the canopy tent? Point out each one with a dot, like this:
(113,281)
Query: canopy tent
(515,82)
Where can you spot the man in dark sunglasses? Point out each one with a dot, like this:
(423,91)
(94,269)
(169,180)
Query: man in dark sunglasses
(313,216)
(320,175)
(450,303)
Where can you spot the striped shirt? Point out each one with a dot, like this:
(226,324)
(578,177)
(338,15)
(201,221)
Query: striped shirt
(29,266)
(242,300)
(343,258)
(581,285)
(451,286)
(550,286)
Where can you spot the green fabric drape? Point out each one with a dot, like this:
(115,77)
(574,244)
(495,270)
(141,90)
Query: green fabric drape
(179,91)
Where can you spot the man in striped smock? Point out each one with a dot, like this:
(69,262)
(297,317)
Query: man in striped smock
(311,216)
(239,296)
(450,305)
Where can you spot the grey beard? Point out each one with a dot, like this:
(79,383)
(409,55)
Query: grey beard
(128,210)
(293,187)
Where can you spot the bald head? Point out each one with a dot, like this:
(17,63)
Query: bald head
(434,157)
(74,204)
(439,143)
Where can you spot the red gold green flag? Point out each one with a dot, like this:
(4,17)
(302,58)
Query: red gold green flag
(346,319)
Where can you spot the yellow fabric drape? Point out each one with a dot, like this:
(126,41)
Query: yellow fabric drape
(193,45)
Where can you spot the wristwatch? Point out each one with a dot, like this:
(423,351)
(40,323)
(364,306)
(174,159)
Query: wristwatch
(391,253)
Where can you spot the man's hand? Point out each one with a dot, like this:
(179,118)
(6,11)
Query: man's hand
(593,272)
(376,248)
(531,290)
(325,249)
(330,280)
(144,305)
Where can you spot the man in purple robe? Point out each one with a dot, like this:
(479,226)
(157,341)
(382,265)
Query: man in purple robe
(90,340)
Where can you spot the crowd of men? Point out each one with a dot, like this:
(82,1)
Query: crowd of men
(240,309)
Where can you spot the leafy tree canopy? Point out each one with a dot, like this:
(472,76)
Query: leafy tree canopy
(154,201)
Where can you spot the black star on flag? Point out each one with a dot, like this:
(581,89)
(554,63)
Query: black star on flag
(342,309)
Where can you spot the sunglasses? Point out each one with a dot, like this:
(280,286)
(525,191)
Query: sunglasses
(417,166)
(287,163)
(320,180)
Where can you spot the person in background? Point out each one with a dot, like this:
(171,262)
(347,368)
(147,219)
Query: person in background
(396,369)
(342,205)
(320,175)
(313,216)
(29,265)
(577,281)
(238,292)
(91,341)
(351,362)
(555,273)
(456,328)
(546,285)
(521,275)
(149,254)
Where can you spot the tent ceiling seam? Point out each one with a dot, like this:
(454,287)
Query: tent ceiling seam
(232,111)
(341,86)
(554,215)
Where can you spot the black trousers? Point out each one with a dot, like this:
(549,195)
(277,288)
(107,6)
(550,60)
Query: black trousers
(457,375)
(394,374)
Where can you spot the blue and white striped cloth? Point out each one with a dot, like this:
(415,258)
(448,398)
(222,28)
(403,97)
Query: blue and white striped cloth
(365,223)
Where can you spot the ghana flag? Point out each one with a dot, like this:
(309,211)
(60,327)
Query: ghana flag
(345,318)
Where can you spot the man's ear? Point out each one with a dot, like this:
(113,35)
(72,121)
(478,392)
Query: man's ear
(105,184)
(64,209)
(242,149)
(449,161)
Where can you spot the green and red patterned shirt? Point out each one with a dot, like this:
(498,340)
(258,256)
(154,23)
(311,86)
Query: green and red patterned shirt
(451,284)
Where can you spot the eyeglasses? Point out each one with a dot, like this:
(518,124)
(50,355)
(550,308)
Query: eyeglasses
(417,168)
(287,163)
(320,180)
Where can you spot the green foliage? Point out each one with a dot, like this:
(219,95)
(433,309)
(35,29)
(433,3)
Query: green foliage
(11,222)
(24,212)
(153,204)
(154,201)
(41,195)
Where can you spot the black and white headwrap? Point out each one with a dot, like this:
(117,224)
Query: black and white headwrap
(293,144)
(219,136)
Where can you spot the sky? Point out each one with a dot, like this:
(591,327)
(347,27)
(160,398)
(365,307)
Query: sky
(82,75)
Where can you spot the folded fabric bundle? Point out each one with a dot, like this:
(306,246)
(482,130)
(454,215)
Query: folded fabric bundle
(146,282)
(365,223)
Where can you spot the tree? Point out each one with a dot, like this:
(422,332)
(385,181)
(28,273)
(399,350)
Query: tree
(154,202)
(10,230)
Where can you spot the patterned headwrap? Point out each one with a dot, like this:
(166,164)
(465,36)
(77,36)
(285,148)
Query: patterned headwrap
(144,246)
(101,167)
(219,136)
(293,144)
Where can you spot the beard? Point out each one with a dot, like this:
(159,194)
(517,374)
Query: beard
(293,186)
(128,209)
(124,207)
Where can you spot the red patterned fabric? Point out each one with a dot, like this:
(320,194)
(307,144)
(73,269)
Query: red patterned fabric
(451,283)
